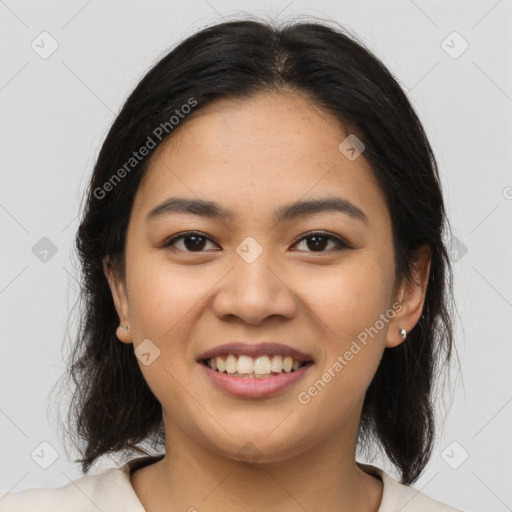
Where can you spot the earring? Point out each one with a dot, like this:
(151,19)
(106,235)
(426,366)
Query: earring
(402,332)
(125,327)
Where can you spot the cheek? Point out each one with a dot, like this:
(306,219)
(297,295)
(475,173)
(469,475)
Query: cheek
(349,297)
(347,303)
(164,302)
(162,296)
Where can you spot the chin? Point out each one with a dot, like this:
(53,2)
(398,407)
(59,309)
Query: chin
(262,447)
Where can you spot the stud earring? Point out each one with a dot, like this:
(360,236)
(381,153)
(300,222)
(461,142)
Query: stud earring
(402,332)
(125,327)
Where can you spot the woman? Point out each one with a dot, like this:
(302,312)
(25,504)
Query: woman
(265,283)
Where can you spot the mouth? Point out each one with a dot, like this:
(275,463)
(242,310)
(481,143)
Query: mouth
(257,361)
(254,370)
(260,368)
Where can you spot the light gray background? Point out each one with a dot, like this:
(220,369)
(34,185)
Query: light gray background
(55,112)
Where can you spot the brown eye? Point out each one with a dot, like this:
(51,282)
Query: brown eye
(191,241)
(318,241)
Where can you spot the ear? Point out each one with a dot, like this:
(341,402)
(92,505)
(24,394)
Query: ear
(411,297)
(118,290)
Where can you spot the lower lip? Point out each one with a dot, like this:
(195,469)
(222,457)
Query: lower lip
(253,387)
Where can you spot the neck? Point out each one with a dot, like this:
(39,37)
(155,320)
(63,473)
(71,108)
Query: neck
(324,477)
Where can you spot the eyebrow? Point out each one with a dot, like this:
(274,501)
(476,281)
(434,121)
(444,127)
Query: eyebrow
(284,213)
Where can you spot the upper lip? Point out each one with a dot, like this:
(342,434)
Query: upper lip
(255,350)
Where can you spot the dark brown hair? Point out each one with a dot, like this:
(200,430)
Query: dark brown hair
(112,408)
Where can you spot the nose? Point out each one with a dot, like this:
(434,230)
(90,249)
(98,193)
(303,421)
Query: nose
(253,292)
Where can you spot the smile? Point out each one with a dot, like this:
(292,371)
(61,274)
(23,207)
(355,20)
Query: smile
(260,377)
(254,367)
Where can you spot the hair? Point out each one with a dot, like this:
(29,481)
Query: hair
(112,408)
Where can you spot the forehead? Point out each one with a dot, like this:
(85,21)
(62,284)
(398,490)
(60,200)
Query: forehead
(257,152)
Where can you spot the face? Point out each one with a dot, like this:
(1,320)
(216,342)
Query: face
(315,281)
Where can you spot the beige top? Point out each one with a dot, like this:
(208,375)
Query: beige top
(111,491)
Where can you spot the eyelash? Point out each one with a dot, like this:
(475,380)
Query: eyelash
(341,244)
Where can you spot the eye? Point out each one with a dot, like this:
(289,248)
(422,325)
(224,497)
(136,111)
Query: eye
(193,241)
(319,240)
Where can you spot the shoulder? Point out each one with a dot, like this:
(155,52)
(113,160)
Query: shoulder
(109,491)
(404,498)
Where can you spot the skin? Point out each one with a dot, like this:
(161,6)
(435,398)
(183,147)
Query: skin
(252,156)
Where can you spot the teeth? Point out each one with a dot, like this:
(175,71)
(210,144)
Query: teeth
(258,367)
(231,363)
(277,364)
(244,365)
(261,365)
